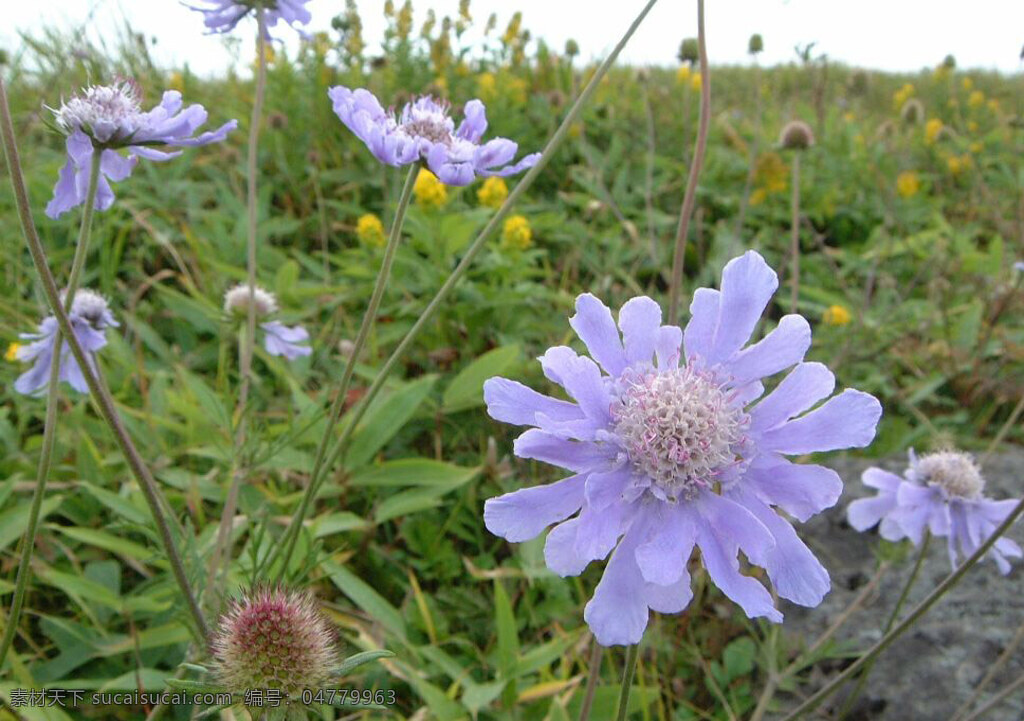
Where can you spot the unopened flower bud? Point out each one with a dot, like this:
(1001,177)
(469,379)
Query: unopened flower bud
(796,135)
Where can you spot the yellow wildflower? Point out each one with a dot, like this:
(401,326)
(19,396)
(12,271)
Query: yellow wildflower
(575,130)
(176,82)
(967,83)
(758,196)
(993,105)
(901,96)
(908,184)
(516,233)
(972,126)
(683,74)
(487,86)
(492,192)
(429,191)
(696,82)
(976,99)
(771,173)
(931,130)
(958,163)
(370,230)
(836,315)
(12,352)
(976,147)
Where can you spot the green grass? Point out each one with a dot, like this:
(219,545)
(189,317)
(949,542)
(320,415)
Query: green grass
(397,550)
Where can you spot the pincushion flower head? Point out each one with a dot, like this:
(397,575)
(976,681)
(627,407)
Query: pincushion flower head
(106,119)
(90,317)
(940,492)
(221,16)
(278,339)
(672,446)
(274,639)
(425,132)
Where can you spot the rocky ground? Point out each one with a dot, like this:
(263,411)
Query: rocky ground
(933,668)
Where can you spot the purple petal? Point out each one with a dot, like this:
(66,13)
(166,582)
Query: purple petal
(511,402)
(747,286)
(474,124)
(576,456)
(783,347)
(590,536)
(881,479)
(64,196)
(594,325)
(617,614)
(581,379)
(847,420)
(280,340)
(663,556)
(699,336)
(640,321)
(497,151)
(864,513)
(528,161)
(115,166)
(523,514)
(805,385)
(605,488)
(670,339)
(799,490)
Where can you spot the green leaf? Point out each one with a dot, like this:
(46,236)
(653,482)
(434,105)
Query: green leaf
(106,541)
(339,522)
(467,388)
(118,504)
(413,472)
(357,660)
(14,521)
(738,657)
(366,598)
(384,419)
(508,636)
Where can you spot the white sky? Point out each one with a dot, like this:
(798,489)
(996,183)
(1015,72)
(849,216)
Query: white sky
(899,35)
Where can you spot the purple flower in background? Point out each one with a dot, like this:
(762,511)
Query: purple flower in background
(669,453)
(107,118)
(221,16)
(278,339)
(943,493)
(424,131)
(90,317)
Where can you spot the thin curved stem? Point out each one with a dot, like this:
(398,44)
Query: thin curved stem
(369,317)
(471,252)
(990,673)
(632,654)
(997,699)
(28,541)
(594,675)
(794,242)
(246,345)
(690,197)
(951,580)
(911,580)
(102,397)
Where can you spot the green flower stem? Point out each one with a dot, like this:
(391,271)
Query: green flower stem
(951,580)
(997,699)
(292,534)
(99,393)
(28,542)
(594,675)
(467,260)
(911,580)
(246,344)
(794,242)
(690,197)
(632,654)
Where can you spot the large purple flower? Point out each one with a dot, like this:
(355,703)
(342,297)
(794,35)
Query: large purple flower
(943,493)
(669,453)
(90,317)
(221,16)
(107,118)
(425,131)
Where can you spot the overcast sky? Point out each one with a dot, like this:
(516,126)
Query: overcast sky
(903,35)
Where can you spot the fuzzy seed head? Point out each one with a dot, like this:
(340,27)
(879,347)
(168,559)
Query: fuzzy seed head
(427,119)
(680,429)
(274,639)
(912,112)
(954,472)
(796,135)
(236,301)
(756,44)
(101,108)
(689,51)
(91,307)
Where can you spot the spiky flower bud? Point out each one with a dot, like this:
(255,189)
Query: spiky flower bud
(572,48)
(274,639)
(949,62)
(236,301)
(688,51)
(756,44)
(796,135)
(912,112)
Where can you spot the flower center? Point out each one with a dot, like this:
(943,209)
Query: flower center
(102,110)
(956,473)
(680,428)
(427,119)
(91,307)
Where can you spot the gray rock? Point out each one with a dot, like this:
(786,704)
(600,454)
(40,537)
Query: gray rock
(934,666)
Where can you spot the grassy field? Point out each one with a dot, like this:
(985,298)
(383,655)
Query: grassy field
(911,215)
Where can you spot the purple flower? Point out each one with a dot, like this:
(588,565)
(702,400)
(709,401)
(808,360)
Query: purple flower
(107,118)
(668,453)
(425,131)
(278,338)
(943,493)
(90,317)
(221,16)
